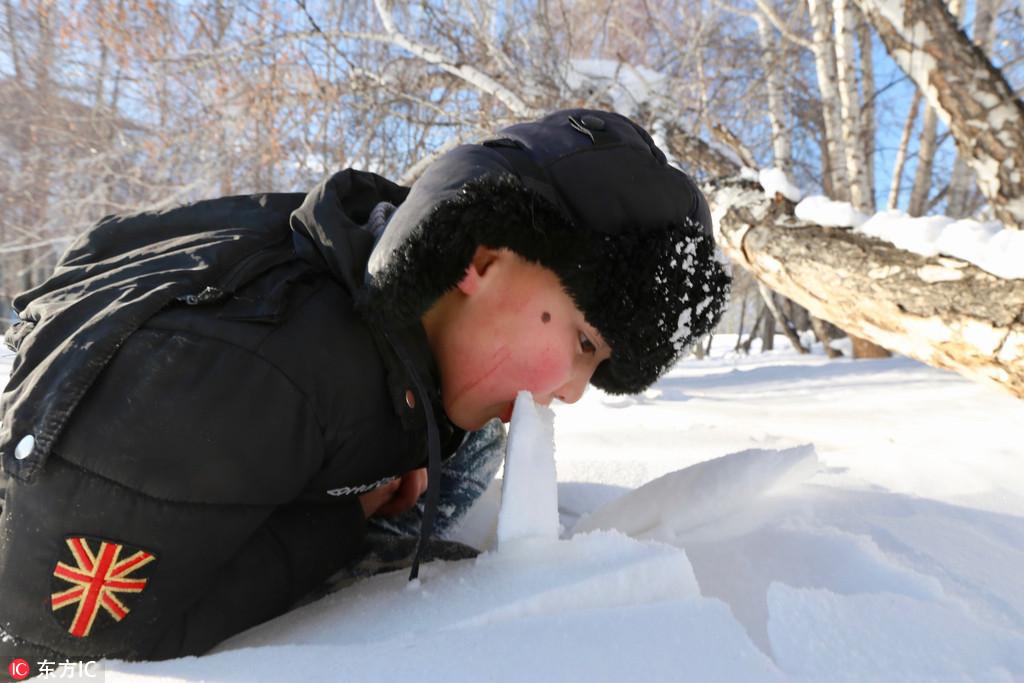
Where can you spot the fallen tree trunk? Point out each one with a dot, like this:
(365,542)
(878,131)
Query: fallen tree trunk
(941,311)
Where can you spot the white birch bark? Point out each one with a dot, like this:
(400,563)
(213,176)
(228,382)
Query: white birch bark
(849,104)
(967,92)
(962,179)
(901,153)
(825,67)
(925,161)
(781,145)
(867,119)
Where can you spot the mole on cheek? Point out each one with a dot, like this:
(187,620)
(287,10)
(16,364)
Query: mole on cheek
(545,317)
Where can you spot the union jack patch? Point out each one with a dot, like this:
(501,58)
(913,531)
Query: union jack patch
(96,576)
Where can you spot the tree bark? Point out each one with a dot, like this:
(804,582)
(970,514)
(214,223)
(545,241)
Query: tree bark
(901,153)
(768,330)
(868,93)
(762,311)
(781,319)
(969,94)
(825,68)
(821,332)
(942,311)
(849,105)
(684,145)
(771,55)
(961,182)
(925,162)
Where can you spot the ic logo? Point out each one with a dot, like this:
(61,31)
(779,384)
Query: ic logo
(19,669)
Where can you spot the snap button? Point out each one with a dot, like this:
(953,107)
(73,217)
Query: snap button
(410,398)
(24,448)
(592,122)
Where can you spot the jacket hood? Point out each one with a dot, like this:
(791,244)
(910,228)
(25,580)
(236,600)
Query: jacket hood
(328,227)
(587,194)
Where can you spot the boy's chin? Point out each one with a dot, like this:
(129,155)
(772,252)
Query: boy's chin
(463,420)
(472,421)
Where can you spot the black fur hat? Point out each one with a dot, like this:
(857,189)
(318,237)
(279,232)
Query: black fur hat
(586,194)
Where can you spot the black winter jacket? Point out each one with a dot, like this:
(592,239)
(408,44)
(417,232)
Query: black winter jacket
(211,357)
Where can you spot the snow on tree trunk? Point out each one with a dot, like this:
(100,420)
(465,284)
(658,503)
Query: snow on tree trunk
(825,67)
(970,95)
(849,104)
(942,311)
(529,491)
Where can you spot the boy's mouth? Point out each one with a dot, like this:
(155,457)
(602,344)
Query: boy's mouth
(506,414)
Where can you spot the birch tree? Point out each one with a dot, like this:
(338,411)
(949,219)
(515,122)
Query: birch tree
(850,109)
(971,96)
(825,65)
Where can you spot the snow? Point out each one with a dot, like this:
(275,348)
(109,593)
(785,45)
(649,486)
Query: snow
(713,490)
(987,245)
(771,517)
(774,181)
(821,210)
(529,487)
(625,86)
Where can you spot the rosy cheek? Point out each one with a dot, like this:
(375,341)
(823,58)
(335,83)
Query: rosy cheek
(547,371)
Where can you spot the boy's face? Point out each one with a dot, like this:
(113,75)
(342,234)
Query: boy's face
(509,326)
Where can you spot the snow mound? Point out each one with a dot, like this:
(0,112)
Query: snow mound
(830,214)
(775,181)
(989,245)
(677,505)
(668,641)
(532,579)
(820,635)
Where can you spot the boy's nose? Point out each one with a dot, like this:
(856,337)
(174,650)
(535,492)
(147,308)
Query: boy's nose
(571,391)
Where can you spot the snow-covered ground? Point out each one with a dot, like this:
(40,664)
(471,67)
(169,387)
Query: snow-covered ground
(771,517)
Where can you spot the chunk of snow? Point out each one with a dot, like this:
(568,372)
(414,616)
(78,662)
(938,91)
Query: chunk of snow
(823,211)
(678,504)
(529,492)
(987,245)
(682,332)
(774,181)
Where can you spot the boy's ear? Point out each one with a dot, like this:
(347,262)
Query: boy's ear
(483,257)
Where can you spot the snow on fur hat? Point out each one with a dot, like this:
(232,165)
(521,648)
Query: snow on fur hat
(586,194)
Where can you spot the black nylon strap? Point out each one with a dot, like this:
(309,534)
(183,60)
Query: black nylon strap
(433,455)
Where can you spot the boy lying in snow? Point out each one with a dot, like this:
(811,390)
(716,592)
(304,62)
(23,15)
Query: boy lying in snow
(208,402)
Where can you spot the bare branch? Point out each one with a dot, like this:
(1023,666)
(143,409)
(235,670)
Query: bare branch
(466,72)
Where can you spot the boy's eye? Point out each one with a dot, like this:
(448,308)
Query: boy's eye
(586,345)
